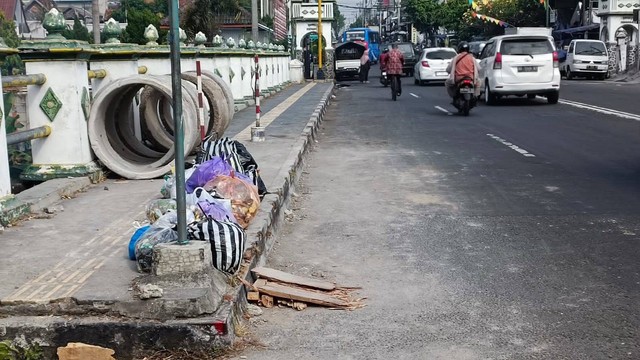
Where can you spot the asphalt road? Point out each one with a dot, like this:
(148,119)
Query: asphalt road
(509,234)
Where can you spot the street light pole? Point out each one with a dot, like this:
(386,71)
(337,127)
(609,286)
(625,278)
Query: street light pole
(254,20)
(546,12)
(178,125)
(320,73)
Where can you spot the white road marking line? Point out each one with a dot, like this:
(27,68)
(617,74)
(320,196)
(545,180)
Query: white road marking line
(443,110)
(270,116)
(414,95)
(599,109)
(511,146)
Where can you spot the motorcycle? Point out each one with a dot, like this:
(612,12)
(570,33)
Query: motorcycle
(465,97)
(384,79)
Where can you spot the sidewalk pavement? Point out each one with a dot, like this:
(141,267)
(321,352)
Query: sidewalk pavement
(66,277)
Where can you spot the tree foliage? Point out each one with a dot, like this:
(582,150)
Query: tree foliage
(357,23)
(202,15)
(455,16)
(138,14)
(12,64)
(338,18)
(78,32)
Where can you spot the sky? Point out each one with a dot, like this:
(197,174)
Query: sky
(350,14)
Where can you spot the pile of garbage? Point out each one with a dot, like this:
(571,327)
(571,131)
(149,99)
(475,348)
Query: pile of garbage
(223,193)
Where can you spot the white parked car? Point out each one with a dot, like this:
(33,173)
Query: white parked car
(586,58)
(432,65)
(520,65)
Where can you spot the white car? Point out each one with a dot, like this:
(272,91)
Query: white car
(520,65)
(586,58)
(432,65)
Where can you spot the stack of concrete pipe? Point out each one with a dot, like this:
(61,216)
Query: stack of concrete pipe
(141,147)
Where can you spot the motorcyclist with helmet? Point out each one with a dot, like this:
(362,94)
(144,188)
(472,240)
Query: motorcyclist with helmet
(462,66)
(384,57)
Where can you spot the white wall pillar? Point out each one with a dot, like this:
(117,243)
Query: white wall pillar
(269,77)
(247,81)
(116,69)
(287,69)
(67,149)
(279,70)
(234,77)
(222,67)
(5,179)
(156,65)
(188,63)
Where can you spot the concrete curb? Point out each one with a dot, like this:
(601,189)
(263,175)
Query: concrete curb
(42,196)
(263,231)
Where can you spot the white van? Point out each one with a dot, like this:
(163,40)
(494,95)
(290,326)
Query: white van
(588,58)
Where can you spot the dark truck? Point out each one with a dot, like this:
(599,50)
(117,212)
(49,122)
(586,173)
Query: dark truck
(410,57)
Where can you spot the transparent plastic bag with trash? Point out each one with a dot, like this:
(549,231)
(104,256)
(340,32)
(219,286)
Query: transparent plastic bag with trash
(156,208)
(161,231)
(168,189)
(244,197)
(211,207)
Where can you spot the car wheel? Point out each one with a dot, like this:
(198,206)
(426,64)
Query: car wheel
(489,97)
(553,97)
(602,77)
(531,96)
(416,81)
(569,73)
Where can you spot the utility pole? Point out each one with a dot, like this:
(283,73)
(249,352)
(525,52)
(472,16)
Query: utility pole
(95,18)
(546,12)
(320,73)
(399,17)
(254,20)
(178,121)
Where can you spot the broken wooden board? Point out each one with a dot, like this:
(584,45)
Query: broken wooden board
(293,304)
(277,275)
(298,294)
(253,296)
(267,301)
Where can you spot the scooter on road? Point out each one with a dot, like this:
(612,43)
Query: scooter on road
(384,79)
(465,98)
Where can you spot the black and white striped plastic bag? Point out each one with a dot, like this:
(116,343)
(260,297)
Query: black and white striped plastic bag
(237,155)
(224,148)
(227,242)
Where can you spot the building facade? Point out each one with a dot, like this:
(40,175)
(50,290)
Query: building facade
(620,32)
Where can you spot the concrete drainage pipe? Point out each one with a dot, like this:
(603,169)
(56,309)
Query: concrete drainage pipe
(220,115)
(157,115)
(110,128)
(156,110)
(226,90)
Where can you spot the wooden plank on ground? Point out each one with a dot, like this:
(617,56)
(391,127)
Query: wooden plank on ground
(277,275)
(288,292)
(253,296)
(259,282)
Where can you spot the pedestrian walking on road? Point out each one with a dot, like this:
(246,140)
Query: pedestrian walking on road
(364,65)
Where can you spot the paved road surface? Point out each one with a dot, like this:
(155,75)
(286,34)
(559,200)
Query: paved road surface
(509,234)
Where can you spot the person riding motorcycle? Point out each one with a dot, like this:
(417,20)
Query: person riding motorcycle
(393,65)
(462,66)
(383,59)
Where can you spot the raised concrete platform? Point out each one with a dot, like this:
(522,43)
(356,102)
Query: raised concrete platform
(67,278)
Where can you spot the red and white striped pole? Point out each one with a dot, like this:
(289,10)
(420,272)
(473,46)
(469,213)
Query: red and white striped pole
(257,132)
(257,91)
(200,99)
